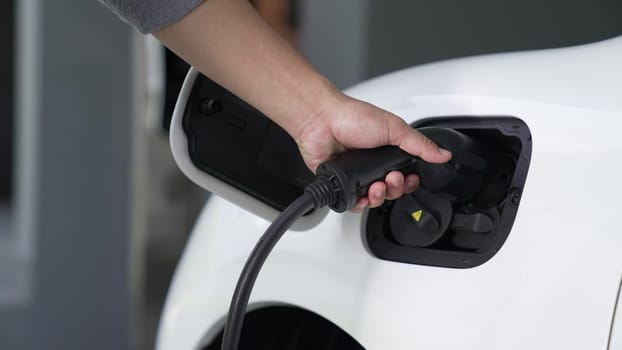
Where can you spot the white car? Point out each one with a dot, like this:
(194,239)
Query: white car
(539,266)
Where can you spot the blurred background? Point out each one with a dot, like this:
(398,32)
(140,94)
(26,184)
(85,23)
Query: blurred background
(94,214)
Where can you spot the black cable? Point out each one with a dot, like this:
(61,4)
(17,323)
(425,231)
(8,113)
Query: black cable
(239,302)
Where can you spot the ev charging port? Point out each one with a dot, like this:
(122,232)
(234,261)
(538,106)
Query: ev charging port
(434,228)
(463,227)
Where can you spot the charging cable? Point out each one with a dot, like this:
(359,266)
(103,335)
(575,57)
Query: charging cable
(339,184)
(239,301)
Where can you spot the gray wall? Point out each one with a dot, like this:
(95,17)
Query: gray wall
(333,36)
(351,40)
(406,33)
(73,195)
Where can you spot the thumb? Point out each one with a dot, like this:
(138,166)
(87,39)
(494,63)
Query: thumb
(415,143)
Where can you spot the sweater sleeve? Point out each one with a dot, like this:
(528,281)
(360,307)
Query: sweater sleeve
(148,16)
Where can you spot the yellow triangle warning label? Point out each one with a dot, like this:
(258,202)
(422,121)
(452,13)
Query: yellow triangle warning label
(417,215)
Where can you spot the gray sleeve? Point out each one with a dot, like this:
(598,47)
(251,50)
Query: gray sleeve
(150,15)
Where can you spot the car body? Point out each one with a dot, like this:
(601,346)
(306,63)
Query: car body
(553,283)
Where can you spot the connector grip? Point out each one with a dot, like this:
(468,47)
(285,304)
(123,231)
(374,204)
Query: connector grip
(350,174)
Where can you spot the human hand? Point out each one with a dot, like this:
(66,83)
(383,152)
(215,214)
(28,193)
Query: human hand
(348,124)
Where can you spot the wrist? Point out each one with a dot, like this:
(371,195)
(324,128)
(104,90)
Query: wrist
(321,100)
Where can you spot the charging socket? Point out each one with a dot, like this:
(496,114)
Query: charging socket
(432,229)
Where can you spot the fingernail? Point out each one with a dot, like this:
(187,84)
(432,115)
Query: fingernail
(444,152)
(378,194)
(395,183)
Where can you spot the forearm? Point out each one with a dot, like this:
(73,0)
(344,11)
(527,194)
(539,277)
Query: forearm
(228,41)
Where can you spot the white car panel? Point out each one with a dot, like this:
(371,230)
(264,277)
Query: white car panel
(553,284)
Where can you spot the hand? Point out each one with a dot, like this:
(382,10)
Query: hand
(349,123)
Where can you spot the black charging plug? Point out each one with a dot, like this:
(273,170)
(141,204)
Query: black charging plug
(343,180)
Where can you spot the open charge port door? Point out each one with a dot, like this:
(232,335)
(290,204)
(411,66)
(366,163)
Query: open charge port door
(436,229)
